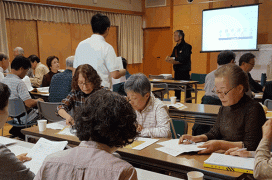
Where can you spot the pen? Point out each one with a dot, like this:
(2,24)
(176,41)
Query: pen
(242,149)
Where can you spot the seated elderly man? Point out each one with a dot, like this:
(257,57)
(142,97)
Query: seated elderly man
(152,115)
(40,70)
(61,83)
(4,63)
(19,68)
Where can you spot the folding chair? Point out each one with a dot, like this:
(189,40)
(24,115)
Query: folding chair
(161,94)
(268,103)
(178,128)
(47,110)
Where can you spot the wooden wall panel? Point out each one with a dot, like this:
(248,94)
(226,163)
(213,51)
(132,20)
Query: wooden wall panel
(79,32)
(157,45)
(157,17)
(54,39)
(24,34)
(135,68)
(112,38)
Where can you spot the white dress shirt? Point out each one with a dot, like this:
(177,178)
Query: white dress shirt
(96,52)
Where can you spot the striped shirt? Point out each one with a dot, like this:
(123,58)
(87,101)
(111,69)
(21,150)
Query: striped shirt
(154,119)
(17,87)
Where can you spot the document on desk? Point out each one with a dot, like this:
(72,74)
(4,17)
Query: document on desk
(178,106)
(7,141)
(40,150)
(141,143)
(66,131)
(230,161)
(172,147)
(57,125)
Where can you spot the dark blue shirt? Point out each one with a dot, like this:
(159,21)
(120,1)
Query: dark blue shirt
(60,86)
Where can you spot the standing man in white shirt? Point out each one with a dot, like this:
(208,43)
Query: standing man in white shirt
(96,52)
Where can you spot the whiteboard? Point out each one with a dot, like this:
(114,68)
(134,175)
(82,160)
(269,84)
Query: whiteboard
(262,61)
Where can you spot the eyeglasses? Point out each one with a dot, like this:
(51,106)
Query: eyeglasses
(222,93)
(86,84)
(251,64)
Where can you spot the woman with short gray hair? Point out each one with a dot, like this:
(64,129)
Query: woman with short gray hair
(240,119)
(152,115)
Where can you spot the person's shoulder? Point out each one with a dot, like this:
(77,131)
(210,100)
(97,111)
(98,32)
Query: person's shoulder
(187,44)
(60,156)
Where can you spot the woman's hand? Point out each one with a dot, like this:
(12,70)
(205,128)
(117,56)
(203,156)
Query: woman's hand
(211,146)
(23,157)
(139,128)
(70,121)
(238,152)
(188,139)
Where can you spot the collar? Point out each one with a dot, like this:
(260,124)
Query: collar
(149,104)
(240,102)
(12,76)
(98,37)
(96,145)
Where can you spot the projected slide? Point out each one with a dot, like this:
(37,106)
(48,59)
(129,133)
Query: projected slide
(230,28)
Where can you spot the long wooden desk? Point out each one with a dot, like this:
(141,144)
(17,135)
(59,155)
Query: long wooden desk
(150,158)
(195,113)
(179,85)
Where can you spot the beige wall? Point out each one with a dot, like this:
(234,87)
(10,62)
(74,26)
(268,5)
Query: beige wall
(129,5)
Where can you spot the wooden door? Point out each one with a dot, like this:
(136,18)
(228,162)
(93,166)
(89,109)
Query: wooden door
(157,45)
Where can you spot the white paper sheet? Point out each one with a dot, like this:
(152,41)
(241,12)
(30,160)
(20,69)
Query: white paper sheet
(7,141)
(230,161)
(66,131)
(43,89)
(144,174)
(56,125)
(148,142)
(26,80)
(17,150)
(172,147)
(178,106)
(40,150)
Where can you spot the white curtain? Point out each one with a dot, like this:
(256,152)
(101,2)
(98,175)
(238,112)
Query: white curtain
(3,32)
(130,33)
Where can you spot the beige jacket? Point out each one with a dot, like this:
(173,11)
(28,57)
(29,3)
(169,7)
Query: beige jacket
(40,71)
(263,161)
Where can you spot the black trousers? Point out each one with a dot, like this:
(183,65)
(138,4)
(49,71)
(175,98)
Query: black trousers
(183,75)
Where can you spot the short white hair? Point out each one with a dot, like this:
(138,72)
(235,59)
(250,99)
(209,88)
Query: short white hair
(19,50)
(70,61)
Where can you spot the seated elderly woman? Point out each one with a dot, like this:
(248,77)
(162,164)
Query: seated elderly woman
(105,123)
(240,119)
(53,64)
(263,157)
(85,82)
(152,115)
(11,167)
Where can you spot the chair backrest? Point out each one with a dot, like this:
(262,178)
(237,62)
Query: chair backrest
(48,110)
(198,77)
(268,104)
(156,76)
(162,93)
(178,128)
(16,107)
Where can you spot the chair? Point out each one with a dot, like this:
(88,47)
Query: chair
(178,128)
(17,110)
(268,104)
(161,94)
(47,110)
(198,77)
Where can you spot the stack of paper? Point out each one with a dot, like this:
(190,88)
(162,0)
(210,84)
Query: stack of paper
(231,163)
(172,147)
(40,150)
(178,106)
(67,130)
(7,141)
